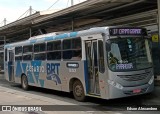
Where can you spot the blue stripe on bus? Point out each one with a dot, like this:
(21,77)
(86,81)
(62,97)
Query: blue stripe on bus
(9,70)
(30,77)
(35,64)
(73,34)
(86,76)
(18,69)
(24,65)
(41,82)
(33,41)
(7,46)
(48,38)
(61,36)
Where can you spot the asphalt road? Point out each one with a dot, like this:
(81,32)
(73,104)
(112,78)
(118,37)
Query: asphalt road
(117,105)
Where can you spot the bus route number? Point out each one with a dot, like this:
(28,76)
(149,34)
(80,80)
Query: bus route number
(72,70)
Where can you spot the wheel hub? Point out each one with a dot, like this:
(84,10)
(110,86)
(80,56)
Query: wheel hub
(24,82)
(78,90)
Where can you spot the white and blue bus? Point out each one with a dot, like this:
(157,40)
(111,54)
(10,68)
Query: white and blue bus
(103,62)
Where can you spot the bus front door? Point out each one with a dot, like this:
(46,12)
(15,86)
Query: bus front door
(92,66)
(11,65)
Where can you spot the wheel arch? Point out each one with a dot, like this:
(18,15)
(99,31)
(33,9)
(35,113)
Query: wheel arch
(71,82)
(24,81)
(23,74)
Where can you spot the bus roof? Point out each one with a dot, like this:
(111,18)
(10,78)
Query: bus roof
(57,36)
(61,35)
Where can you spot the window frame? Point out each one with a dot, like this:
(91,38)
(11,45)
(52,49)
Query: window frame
(53,50)
(101,66)
(19,54)
(27,53)
(72,49)
(39,51)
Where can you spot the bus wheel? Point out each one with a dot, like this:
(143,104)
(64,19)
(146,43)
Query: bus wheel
(24,82)
(78,91)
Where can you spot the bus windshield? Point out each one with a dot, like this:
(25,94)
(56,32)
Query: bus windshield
(132,53)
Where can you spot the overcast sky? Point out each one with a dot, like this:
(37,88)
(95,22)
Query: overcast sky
(13,9)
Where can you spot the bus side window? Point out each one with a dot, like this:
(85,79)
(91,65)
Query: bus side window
(101,56)
(5,54)
(27,49)
(76,43)
(67,44)
(54,50)
(27,57)
(39,51)
(18,50)
(18,53)
(39,47)
(67,52)
(18,58)
(72,49)
(27,52)
(40,56)
(42,47)
(49,46)
(77,49)
(57,45)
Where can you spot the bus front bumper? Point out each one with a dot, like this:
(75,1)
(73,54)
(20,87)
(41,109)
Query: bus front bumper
(119,92)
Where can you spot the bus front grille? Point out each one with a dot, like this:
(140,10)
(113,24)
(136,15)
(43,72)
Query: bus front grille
(134,77)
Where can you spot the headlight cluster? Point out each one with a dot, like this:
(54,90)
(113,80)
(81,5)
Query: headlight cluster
(116,85)
(151,80)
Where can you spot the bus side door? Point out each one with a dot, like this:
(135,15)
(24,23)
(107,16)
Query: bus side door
(95,63)
(11,65)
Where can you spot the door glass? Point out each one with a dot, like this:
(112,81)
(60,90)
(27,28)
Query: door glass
(95,69)
(95,53)
(11,65)
(92,62)
(101,56)
(89,65)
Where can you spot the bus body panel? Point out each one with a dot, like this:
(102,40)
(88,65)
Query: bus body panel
(58,74)
(100,90)
(50,74)
(133,83)
(6,71)
(128,91)
(132,78)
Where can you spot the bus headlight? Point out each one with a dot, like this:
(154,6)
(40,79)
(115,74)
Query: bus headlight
(151,80)
(116,85)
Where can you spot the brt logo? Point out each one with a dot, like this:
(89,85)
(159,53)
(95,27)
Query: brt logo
(53,67)
(53,72)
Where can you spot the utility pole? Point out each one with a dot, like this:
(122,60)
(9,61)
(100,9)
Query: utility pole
(5,21)
(72,18)
(30,10)
(72,3)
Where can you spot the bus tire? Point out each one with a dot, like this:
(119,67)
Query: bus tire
(24,82)
(78,91)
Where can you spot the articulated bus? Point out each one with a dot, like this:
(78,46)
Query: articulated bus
(104,62)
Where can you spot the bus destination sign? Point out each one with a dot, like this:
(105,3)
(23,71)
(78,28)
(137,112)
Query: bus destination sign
(127,31)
